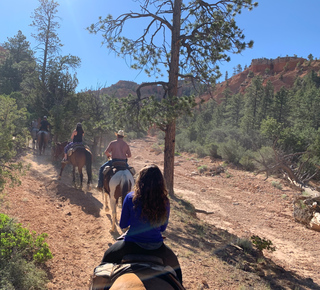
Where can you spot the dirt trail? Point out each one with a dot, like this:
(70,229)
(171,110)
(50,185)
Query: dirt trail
(237,201)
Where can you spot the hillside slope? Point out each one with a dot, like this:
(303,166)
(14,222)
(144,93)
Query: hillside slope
(208,213)
(282,71)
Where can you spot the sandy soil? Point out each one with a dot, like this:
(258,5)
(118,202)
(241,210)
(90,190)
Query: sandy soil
(234,200)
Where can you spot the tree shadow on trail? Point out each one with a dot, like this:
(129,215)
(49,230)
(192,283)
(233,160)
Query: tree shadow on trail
(88,203)
(221,244)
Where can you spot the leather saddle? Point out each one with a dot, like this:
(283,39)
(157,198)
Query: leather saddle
(145,265)
(74,147)
(109,171)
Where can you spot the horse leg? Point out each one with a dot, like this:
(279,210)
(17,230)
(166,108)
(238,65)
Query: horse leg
(74,176)
(81,176)
(105,201)
(113,205)
(62,167)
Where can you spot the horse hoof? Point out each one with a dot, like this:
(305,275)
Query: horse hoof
(59,177)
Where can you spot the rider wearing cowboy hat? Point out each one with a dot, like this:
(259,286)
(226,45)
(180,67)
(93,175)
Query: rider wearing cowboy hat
(117,150)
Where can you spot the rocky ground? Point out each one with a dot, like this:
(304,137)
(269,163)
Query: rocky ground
(230,205)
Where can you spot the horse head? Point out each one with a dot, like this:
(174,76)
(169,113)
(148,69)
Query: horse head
(57,149)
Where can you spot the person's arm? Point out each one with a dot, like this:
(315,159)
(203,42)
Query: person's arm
(74,133)
(128,153)
(125,214)
(108,151)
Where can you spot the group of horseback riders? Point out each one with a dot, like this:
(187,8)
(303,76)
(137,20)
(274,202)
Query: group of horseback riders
(145,210)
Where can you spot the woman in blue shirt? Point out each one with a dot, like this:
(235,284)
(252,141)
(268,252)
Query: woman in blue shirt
(146,210)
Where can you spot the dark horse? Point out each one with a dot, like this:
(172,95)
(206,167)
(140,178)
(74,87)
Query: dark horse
(42,139)
(80,157)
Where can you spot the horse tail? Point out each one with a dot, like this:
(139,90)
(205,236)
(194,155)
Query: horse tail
(41,140)
(89,165)
(43,135)
(125,188)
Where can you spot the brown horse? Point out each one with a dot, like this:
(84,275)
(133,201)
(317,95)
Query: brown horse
(133,282)
(140,272)
(42,138)
(57,150)
(80,157)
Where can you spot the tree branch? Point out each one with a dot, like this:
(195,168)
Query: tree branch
(163,84)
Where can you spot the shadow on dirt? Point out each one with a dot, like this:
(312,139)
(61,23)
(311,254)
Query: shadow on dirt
(199,235)
(266,269)
(88,203)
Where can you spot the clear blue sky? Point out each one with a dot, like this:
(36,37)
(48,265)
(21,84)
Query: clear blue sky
(277,27)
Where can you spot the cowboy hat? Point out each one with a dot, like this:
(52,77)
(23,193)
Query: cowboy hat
(120,133)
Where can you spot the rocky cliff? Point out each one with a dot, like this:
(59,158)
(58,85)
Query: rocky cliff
(281,71)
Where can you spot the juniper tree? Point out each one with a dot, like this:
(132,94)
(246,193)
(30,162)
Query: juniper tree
(56,84)
(186,39)
(46,24)
(17,66)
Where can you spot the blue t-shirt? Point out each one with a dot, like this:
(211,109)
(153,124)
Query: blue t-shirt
(140,231)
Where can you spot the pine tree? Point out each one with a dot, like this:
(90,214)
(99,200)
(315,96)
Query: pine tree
(19,64)
(200,34)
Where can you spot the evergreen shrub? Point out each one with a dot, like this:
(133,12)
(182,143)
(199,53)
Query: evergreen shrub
(21,255)
(247,161)
(231,151)
(212,150)
(264,157)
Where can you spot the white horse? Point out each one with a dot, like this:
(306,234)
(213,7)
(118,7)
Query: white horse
(121,183)
(34,132)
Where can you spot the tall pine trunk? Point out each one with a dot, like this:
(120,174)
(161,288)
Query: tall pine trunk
(169,148)
(170,132)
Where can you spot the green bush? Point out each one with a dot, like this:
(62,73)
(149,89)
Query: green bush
(17,273)
(264,158)
(212,149)
(231,151)
(201,151)
(262,244)
(16,239)
(247,161)
(21,254)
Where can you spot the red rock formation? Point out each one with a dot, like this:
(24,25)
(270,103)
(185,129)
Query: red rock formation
(282,71)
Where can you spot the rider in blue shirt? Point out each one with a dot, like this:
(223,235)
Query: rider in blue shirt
(146,211)
(140,231)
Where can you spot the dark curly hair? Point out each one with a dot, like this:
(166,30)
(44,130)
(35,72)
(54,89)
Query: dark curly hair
(151,194)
